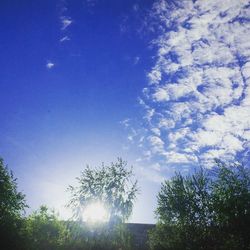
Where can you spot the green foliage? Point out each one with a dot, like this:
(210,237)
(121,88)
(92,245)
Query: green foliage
(184,200)
(111,185)
(231,203)
(204,210)
(12,202)
(103,237)
(45,230)
(12,205)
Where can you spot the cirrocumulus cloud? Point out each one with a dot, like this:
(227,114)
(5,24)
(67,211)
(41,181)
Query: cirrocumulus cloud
(197,102)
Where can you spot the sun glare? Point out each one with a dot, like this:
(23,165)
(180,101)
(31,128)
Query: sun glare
(95,212)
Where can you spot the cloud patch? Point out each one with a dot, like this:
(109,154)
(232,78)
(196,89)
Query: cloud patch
(66,22)
(64,39)
(50,65)
(197,102)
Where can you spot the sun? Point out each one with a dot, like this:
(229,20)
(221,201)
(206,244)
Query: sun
(95,212)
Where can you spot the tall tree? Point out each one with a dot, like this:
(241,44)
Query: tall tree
(12,205)
(113,186)
(205,210)
(231,203)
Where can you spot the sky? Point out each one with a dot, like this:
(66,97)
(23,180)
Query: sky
(163,84)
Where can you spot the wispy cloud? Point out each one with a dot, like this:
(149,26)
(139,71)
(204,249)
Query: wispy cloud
(66,22)
(65,38)
(136,60)
(197,102)
(50,65)
(91,3)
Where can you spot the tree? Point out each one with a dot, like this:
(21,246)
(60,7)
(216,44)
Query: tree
(205,210)
(114,187)
(182,212)
(12,205)
(231,203)
(46,231)
(111,185)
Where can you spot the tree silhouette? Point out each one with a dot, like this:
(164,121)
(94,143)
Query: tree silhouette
(12,205)
(111,185)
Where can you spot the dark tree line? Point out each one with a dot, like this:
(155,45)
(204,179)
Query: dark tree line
(209,209)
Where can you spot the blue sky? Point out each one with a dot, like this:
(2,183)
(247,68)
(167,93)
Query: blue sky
(163,84)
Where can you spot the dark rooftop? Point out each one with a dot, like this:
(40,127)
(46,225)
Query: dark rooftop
(140,234)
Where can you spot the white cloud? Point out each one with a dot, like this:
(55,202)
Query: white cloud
(65,38)
(136,60)
(161,94)
(66,22)
(165,123)
(157,144)
(50,65)
(156,131)
(246,70)
(154,76)
(197,102)
(150,173)
(207,138)
(149,114)
(125,122)
(178,134)
(173,157)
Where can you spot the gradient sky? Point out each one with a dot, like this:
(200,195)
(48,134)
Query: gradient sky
(163,84)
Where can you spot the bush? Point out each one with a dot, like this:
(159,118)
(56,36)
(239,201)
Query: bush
(45,230)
